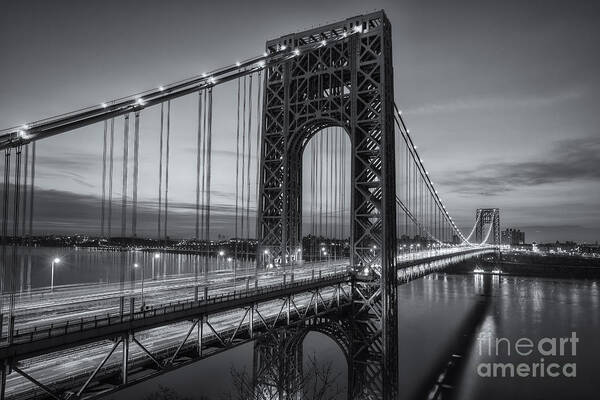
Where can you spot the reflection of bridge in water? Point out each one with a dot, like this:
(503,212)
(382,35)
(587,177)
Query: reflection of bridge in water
(385,224)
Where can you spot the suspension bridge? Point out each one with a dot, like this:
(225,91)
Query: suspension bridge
(330,209)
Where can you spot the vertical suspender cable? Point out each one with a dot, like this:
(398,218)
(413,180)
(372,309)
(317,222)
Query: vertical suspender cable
(327,182)
(247,243)
(25,177)
(15,233)
(243,164)
(343,188)
(312,193)
(198,148)
(166,234)
(258,154)
(208,162)
(320,169)
(160,168)
(124,188)
(136,150)
(5,207)
(204,249)
(237,173)
(31,191)
(103,204)
(110,174)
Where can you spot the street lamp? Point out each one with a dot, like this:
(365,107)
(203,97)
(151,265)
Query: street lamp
(55,261)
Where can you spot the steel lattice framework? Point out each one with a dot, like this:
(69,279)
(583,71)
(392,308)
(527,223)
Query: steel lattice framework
(484,216)
(346,83)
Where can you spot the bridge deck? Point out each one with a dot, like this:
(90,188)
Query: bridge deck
(163,326)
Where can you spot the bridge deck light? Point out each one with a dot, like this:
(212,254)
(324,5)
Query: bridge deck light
(323,42)
(25,126)
(297,52)
(104,105)
(161,88)
(140,101)
(237,63)
(283,47)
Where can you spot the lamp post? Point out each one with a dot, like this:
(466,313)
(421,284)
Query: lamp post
(54,262)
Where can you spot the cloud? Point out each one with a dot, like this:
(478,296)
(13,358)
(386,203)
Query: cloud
(491,103)
(60,211)
(569,160)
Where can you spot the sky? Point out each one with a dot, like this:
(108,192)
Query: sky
(500,96)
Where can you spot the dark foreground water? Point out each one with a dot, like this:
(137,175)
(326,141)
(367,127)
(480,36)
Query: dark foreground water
(432,315)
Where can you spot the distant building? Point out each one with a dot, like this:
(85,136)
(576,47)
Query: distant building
(513,237)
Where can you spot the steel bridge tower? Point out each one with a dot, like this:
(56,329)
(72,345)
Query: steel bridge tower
(348,83)
(484,216)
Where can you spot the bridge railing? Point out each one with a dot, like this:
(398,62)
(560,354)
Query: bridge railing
(31,334)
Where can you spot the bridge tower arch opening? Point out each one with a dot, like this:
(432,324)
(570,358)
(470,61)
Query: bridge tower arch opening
(325,199)
(347,81)
(284,369)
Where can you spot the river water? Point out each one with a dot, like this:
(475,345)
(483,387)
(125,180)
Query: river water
(434,312)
